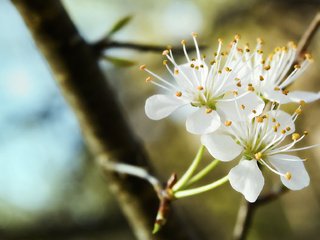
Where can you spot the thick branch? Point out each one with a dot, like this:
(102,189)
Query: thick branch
(74,65)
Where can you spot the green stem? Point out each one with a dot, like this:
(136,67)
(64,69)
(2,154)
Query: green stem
(203,172)
(185,178)
(194,191)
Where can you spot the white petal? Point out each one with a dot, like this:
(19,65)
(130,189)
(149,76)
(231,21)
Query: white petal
(299,176)
(247,179)
(201,122)
(221,146)
(160,106)
(276,96)
(234,111)
(297,96)
(285,121)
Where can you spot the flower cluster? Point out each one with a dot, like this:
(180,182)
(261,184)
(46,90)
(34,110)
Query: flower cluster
(236,99)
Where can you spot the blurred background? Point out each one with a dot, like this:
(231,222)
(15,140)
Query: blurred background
(49,186)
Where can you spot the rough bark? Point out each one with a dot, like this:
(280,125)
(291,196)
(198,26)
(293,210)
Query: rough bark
(75,67)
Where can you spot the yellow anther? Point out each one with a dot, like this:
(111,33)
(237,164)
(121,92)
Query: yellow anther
(267,67)
(288,128)
(242,107)
(183,42)
(239,84)
(308,57)
(237,79)
(148,79)
(295,136)
(273,120)
(220,40)
(288,175)
(178,94)
(302,103)
(276,89)
(261,78)
(259,51)
(228,69)
(237,37)
(201,65)
(250,88)
(292,44)
(219,71)
(200,88)
(305,133)
(165,52)
(275,128)
(165,62)
(254,111)
(192,65)
(143,67)
(194,34)
(283,131)
(176,71)
(259,119)
(259,40)
(278,124)
(297,66)
(235,93)
(196,67)
(285,92)
(227,123)
(212,62)
(298,111)
(209,110)
(258,155)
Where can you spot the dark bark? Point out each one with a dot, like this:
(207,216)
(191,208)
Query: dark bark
(105,128)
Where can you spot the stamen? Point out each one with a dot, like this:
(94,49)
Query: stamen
(178,94)
(165,52)
(143,67)
(261,78)
(258,155)
(288,175)
(228,123)
(200,88)
(208,110)
(295,136)
(148,79)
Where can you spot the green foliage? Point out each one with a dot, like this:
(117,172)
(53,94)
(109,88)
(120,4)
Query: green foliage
(119,62)
(119,25)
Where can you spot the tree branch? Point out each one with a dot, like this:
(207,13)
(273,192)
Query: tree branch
(106,131)
(246,210)
(106,44)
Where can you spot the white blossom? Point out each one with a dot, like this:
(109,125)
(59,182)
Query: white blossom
(258,141)
(200,86)
(270,77)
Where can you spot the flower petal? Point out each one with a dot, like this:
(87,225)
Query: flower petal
(160,106)
(297,96)
(221,146)
(201,122)
(294,165)
(250,105)
(276,95)
(283,119)
(247,179)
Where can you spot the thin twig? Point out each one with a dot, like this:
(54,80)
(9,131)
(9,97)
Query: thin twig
(308,35)
(246,211)
(106,44)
